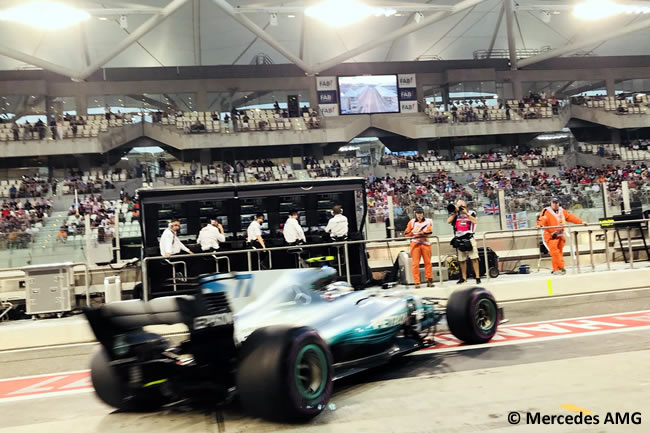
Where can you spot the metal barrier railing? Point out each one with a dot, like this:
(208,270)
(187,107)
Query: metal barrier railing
(574,245)
(250,251)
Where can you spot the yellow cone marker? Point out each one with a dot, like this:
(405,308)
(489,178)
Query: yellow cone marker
(549,284)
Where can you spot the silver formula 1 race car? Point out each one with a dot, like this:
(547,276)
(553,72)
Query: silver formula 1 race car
(275,339)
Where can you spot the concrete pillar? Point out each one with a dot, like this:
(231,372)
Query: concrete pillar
(316,151)
(422,146)
(611,87)
(81,104)
(313,94)
(49,108)
(202,102)
(516,89)
(205,157)
(445,96)
(419,94)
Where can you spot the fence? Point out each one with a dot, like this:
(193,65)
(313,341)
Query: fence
(178,259)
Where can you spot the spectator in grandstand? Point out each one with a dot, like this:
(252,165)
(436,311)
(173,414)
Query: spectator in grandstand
(197,126)
(40,127)
(16,131)
(454,113)
(551,217)
(59,130)
(276,107)
(419,229)
(245,122)
(53,129)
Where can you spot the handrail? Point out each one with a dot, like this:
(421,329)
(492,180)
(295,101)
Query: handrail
(249,251)
(570,234)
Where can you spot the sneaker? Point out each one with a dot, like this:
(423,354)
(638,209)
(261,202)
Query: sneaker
(478,281)
(430,282)
(417,286)
(562,271)
(461,281)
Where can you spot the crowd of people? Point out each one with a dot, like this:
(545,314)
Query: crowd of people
(101,214)
(475,110)
(402,161)
(20,221)
(30,186)
(432,193)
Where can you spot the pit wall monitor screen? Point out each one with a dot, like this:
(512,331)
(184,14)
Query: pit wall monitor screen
(368,94)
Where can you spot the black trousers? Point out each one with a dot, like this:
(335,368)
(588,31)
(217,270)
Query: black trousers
(263,255)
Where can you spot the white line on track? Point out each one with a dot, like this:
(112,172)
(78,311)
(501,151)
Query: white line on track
(63,373)
(528,340)
(47,394)
(577,295)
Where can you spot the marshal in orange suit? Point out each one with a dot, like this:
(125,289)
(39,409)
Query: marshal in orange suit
(419,228)
(555,215)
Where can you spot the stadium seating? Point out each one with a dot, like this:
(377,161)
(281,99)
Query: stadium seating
(258,120)
(90,126)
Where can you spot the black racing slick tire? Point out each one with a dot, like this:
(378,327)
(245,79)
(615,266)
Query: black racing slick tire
(473,315)
(113,389)
(285,374)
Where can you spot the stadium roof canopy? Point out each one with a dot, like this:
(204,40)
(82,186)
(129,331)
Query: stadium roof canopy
(149,33)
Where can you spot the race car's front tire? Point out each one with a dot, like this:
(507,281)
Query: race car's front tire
(284,373)
(113,389)
(472,315)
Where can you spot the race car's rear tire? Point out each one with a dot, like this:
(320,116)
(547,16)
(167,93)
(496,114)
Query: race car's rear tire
(472,315)
(113,390)
(285,373)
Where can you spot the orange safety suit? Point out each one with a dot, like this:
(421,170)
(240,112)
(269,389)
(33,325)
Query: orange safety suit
(420,247)
(554,237)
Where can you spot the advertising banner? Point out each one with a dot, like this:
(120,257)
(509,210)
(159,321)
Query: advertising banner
(408,100)
(327,96)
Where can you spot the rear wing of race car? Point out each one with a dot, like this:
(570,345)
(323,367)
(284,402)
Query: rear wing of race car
(205,315)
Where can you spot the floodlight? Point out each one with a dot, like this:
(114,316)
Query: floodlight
(45,15)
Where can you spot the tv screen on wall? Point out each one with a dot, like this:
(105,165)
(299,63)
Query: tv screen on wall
(368,94)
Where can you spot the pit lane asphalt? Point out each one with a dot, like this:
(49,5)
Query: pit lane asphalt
(454,391)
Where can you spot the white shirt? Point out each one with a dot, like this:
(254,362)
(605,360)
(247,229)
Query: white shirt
(254,230)
(292,231)
(209,237)
(337,226)
(170,244)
